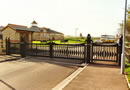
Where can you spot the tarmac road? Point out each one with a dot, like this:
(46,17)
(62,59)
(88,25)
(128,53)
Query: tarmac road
(32,74)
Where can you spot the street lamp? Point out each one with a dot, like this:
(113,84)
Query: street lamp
(123,43)
(76,33)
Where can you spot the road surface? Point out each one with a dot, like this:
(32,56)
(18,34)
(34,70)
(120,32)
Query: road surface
(32,74)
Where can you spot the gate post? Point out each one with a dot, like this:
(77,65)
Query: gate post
(7,46)
(51,49)
(117,51)
(23,47)
(85,53)
(88,48)
(120,49)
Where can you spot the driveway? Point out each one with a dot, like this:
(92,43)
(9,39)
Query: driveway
(32,74)
(100,75)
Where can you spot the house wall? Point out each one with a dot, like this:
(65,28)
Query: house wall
(9,33)
(36,36)
(29,37)
(14,35)
(40,36)
(56,36)
(60,36)
(45,36)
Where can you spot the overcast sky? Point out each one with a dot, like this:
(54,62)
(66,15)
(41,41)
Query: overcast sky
(86,16)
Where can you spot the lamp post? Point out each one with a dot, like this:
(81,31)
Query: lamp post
(123,43)
(76,33)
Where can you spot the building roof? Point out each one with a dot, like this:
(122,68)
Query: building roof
(34,22)
(35,29)
(51,31)
(19,27)
(32,28)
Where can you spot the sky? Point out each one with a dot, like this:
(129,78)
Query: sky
(70,17)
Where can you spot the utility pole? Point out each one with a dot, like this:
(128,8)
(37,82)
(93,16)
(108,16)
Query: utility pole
(123,43)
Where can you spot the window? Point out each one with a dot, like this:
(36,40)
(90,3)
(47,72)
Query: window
(1,37)
(44,30)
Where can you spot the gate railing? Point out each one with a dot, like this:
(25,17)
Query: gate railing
(73,51)
(105,52)
(52,50)
(38,49)
(86,52)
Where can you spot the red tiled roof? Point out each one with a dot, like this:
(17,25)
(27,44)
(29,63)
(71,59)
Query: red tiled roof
(44,28)
(32,29)
(18,25)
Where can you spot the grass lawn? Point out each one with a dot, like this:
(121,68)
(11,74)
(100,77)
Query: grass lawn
(60,42)
(66,41)
(127,69)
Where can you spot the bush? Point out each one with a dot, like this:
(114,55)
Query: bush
(127,69)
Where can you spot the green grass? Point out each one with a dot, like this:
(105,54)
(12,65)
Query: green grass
(37,42)
(70,41)
(127,69)
(95,38)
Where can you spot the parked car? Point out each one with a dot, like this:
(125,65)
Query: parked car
(107,38)
(98,41)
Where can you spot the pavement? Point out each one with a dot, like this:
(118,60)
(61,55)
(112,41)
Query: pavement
(5,58)
(99,76)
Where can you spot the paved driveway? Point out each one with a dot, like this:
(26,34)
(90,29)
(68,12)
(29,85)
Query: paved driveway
(32,74)
(99,76)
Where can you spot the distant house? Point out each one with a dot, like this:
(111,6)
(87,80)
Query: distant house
(33,33)
(45,33)
(14,32)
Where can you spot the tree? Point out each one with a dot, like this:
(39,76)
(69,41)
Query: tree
(127,26)
(81,36)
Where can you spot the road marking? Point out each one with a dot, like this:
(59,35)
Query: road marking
(66,81)
(127,81)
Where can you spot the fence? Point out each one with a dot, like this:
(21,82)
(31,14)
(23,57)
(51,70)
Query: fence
(85,52)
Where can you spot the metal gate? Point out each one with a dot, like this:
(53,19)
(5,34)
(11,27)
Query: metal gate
(85,52)
(105,52)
